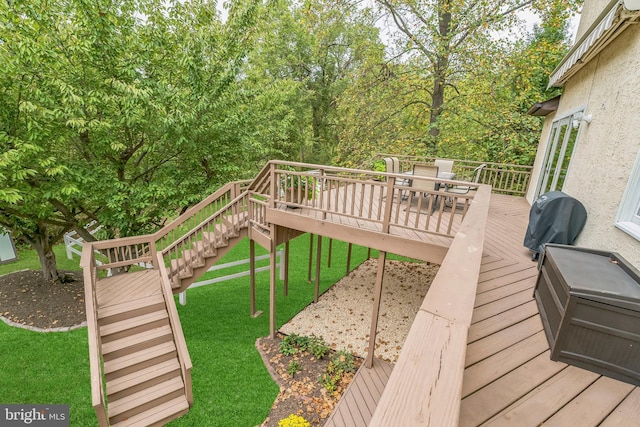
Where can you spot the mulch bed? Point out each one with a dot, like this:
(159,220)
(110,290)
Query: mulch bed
(28,299)
(301,394)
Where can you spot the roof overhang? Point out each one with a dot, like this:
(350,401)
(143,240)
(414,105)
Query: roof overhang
(613,20)
(545,107)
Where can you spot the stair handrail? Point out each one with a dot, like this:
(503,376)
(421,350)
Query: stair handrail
(234,188)
(88,264)
(178,334)
(205,222)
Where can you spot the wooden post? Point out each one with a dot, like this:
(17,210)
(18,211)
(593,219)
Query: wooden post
(316,293)
(272,283)
(310,257)
(377,296)
(252,275)
(286,268)
(330,249)
(349,258)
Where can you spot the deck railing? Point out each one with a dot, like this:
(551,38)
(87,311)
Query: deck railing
(362,195)
(98,400)
(504,178)
(425,387)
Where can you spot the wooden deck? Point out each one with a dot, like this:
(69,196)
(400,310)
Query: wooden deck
(509,379)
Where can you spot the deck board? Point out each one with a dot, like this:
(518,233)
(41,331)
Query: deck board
(509,379)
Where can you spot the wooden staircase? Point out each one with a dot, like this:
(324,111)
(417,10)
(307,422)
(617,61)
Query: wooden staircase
(206,250)
(144,380)
(140,366)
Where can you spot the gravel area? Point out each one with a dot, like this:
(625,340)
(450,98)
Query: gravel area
(342,315)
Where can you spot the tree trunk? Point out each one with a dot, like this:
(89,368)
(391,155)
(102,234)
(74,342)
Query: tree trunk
(440,68)
(47,258)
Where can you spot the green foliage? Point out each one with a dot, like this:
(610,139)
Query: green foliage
(289,345)
(293,368)
(318,347)
(310,49)
(339,365)
(292,344)
(122,112)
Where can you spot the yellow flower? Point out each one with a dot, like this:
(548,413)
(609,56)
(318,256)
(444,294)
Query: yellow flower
(293,420)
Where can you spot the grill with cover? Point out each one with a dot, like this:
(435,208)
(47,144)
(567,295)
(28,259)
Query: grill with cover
(555,217)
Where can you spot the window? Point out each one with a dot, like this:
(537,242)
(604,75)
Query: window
(562,141)
(628,218)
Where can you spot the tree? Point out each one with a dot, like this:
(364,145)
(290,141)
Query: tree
(121,111)
(310,50)
(449,37)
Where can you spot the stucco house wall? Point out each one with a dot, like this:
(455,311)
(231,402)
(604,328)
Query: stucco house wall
(608,88)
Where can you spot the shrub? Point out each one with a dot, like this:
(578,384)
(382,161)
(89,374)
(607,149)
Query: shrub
(318,347)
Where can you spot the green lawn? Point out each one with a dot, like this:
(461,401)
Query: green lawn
(231,385)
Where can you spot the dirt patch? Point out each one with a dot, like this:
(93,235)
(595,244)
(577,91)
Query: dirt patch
(28,299)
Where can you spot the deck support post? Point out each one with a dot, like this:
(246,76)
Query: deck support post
(272,282)
(349,258)
(377,296)
(330,249)
(286,268)
(316,293)
(310,257)
(252,275)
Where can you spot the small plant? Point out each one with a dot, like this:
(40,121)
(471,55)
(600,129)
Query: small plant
(293,343)
(293,420)
(287,347)
(294,367)
(339,365)
(318,347)
(344,361)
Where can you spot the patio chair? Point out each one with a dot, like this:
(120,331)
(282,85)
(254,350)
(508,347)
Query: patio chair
(444,165)
(416,185)
(464,189)
(388,165)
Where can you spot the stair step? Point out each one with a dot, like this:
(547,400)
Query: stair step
(139,360)
(136,381)
(158,415)
(117,330)
(143,400)
(218,239)
(182,267)
(207,250)
(136,342)
(130,309)
(194,259)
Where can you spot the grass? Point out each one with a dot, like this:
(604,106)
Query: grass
(231,385)
(28,260)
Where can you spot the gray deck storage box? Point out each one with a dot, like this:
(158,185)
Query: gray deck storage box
(589,302)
